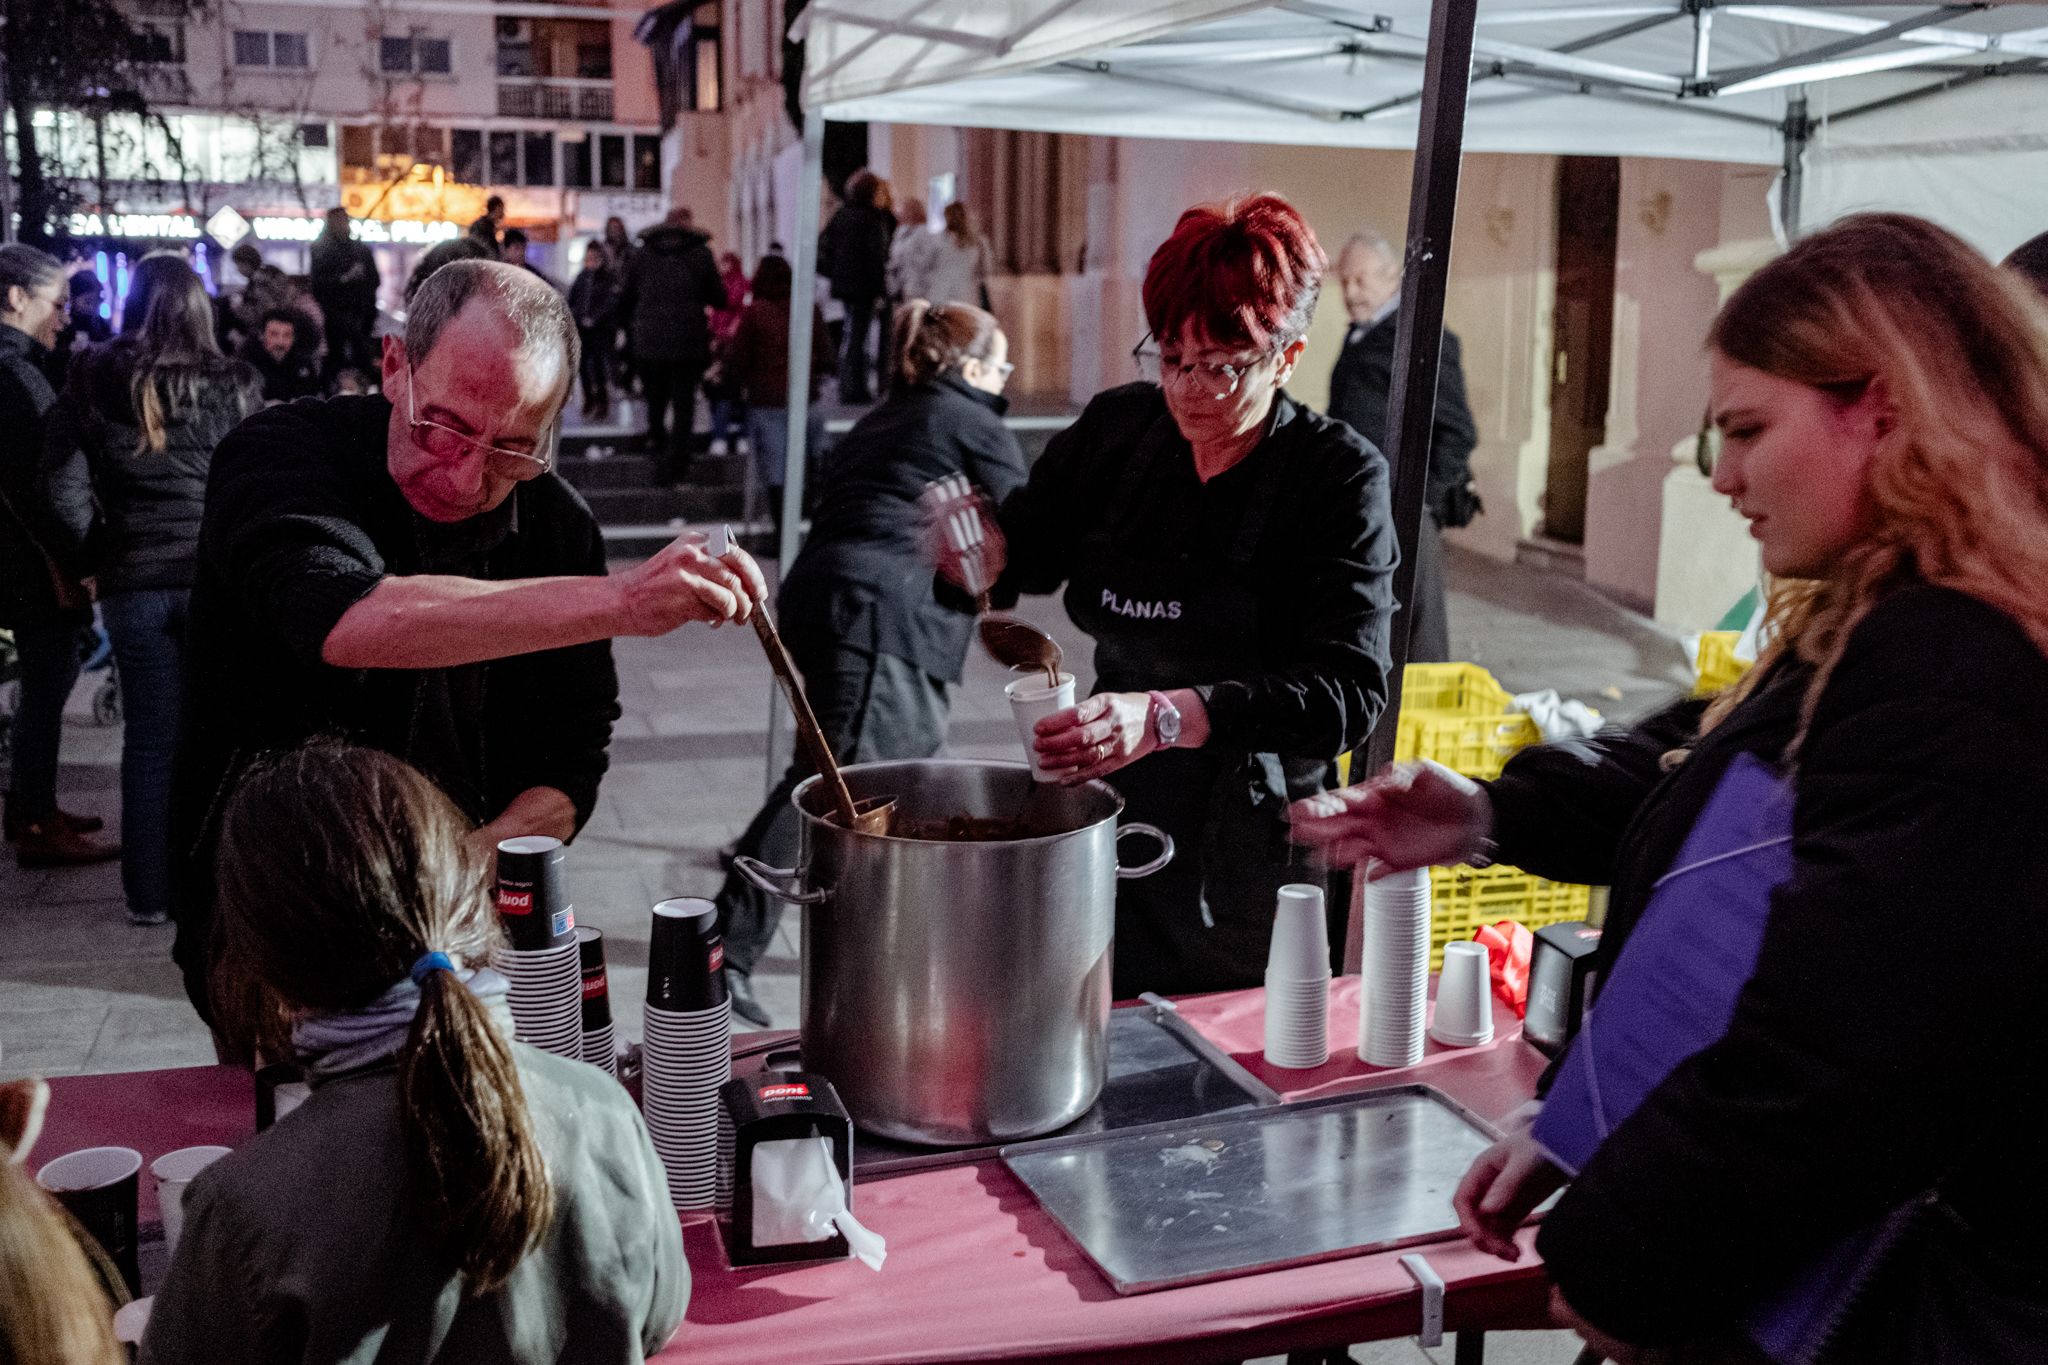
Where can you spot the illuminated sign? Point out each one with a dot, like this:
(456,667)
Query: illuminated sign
(157,226)
(411,231)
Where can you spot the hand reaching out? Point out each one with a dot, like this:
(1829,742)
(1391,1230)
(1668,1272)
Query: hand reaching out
(1412,815)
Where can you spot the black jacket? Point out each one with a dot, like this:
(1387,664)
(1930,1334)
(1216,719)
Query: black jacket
(671,281)
(303,520)
(853,252)
(29,578)
(1322,570)
(1881,1049)
(1361,385)
(594,300)
(130,518)
(864,578)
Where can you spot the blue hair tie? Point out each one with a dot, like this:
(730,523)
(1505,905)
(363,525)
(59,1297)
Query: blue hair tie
(431,962)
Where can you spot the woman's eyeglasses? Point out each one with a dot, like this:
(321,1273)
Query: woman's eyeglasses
(446,443)
(1216,379)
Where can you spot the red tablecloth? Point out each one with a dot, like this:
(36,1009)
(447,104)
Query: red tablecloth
(976,1271)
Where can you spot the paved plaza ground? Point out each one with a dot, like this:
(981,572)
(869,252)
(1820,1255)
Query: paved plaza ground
(82,990)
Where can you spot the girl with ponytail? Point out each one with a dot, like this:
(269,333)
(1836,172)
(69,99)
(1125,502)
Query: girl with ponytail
(446,1193)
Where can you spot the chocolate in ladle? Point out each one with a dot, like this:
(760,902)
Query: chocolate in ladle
(1021,646)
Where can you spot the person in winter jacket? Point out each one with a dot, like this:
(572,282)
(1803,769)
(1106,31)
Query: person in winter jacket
(44,606)
(281,353)
(1882,397)
(955,261)
(876,647)
(447,1193)
(756,363)
(671,285)
(128,447)
(853,253)
(594,299)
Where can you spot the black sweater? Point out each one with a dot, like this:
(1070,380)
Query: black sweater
(130,517)
(1882,1047)
(302,520)
(1322,570)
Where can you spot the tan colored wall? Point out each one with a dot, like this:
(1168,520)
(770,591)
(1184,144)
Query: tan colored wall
(1670,211)
(696,157)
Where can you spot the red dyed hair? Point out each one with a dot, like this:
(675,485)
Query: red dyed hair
(1245,273)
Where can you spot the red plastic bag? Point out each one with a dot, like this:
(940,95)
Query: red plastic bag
(1508,948)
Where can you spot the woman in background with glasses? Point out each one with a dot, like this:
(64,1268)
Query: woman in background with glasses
(875,645)
(1231,553)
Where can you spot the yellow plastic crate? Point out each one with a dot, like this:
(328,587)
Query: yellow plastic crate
(1458,715)
(1718,666)
(1465,899)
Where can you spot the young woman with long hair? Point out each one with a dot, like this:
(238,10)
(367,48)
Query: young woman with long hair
(955,262)
(875,645)
(446,1193)
(128,448)
(1882,396)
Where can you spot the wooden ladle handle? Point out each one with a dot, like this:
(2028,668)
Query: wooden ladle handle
(808,732)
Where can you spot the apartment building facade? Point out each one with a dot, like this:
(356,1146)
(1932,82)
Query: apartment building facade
(409,116)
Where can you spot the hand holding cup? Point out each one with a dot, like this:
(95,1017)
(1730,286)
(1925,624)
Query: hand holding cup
(1418,814)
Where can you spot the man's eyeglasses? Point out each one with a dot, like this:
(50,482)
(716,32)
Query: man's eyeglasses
(446,443)
(1217,380)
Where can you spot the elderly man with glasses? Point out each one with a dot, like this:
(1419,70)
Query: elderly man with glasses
(1231,554)
(407,571)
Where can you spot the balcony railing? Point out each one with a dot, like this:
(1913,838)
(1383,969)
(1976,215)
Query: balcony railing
(589,101)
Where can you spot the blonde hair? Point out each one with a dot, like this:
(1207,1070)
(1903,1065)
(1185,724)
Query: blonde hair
(933,338)
(1958,485)
(53,1310)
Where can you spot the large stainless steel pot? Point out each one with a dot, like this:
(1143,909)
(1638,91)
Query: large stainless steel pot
(958,992)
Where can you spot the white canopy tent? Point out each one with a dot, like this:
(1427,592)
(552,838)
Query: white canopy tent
(1948,102)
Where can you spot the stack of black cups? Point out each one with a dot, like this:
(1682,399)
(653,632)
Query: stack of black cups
(686,1052)
(540,956)
(600,1048)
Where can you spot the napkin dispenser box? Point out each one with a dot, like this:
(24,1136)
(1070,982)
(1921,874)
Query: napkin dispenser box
(1561,975)
(779,1107)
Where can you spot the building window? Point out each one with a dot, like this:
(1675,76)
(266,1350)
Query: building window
(705,55)
(539,155)
(466,155)
(359,146)
(289,50)
(251,48)
(594,61)
(313,135)
(430,144)
(646,162)
(515,47)
(611,161)
(504,158)
(263,48)
(159,41)
(576,164)
(413,56)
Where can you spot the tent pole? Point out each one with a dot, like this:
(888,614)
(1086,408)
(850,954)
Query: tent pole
(1418,343)
(802,312)
(803,292)
(1798,129)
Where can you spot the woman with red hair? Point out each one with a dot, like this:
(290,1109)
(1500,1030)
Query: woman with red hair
(1231,553)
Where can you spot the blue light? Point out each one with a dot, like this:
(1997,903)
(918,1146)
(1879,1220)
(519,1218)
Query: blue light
(99,268)
(120,280)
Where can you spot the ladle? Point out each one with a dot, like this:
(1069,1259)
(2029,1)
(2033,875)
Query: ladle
(870,816)
(1010,640)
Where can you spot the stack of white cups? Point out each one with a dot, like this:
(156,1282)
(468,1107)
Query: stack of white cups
(1298,981)
(1393,1001)
(686,1052)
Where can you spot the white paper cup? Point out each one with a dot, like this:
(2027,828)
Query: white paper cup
(1395,975)
(1301,935)
(1031,701)
(173,1172)
(1297,1022)
(1464,997)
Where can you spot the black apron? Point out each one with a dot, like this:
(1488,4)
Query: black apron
(1159,622)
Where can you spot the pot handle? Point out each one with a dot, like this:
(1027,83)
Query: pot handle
(767,880)
(1145,869)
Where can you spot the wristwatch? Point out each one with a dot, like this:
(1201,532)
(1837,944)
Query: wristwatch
(1165,720)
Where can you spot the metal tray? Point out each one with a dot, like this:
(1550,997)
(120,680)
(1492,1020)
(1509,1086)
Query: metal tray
(1208,1199)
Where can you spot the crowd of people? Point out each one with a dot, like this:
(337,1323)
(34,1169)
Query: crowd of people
(375,633)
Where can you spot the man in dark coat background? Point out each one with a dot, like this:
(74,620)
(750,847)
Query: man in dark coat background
(1360,387)
(853,253)
(345,279)
(670,283)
